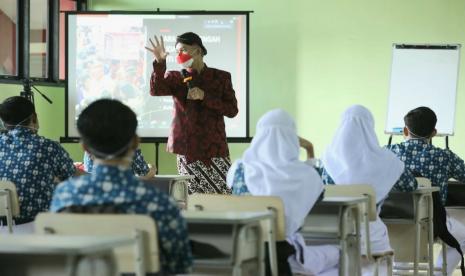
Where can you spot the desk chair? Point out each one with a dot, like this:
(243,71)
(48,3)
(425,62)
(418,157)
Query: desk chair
(455,194)
(455,205)
(368,213)
(409,218)
(9,203)
(337,220)
(274,230)
(174,185)
(141,259)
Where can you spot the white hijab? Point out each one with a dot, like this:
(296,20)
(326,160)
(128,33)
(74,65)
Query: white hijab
(355,157)
(272,168)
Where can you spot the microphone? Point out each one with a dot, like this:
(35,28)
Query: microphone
(187,78)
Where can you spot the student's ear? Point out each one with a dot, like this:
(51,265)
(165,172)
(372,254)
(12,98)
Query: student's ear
(435,131)
(35,119)
(84,147)
(135,142)
(34,123)
(406,132)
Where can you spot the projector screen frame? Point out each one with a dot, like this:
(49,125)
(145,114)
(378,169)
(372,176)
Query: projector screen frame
(158,140)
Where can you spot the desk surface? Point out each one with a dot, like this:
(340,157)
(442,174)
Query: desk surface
(60,244)
(224,217)
(174,176)
(341,201)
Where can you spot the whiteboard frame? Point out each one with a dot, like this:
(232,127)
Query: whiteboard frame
(456,46)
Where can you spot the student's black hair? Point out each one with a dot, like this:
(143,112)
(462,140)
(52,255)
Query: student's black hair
(106,127)
(16,110)
(421,121)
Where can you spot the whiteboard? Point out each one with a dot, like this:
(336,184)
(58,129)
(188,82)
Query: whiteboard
(423,75)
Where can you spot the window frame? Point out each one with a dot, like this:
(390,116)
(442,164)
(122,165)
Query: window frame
(53,44)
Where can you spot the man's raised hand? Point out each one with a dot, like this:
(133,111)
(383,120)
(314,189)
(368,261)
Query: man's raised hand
(158,49)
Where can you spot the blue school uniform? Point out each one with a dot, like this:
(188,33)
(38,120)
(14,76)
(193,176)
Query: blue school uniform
(139,166)
(239,187)
(405,183)
(436,164)
(32,163)
(112,185)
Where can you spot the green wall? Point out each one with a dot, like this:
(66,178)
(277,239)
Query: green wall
(345,58)
(311,58)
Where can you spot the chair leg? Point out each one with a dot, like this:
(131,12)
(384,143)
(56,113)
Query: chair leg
(342,259)
(444,258)
(416,255)
(389,262)
(71,264)
(139,263)
(377,264)
(430,247)
(9,215)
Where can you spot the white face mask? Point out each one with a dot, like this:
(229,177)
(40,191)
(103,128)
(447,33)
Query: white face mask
(110,156)
(415,136)
(34,128)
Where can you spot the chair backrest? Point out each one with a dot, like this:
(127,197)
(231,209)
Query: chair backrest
(455,194)
(355,190)
(9,190)
(174,185)
(103,225)
(399,213)
(215,202)
(179,191)
(423,182)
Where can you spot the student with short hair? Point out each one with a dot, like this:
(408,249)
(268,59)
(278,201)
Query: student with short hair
(108,131)
(355,157)
(271,167)
(436,164)
(30,161)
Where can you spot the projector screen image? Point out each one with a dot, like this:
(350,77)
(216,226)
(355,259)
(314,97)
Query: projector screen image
(106,58)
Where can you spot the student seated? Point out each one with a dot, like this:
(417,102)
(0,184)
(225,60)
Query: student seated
(30,161)
(355,157)
(108,131)
(271,167)
(436,164)
(140,168)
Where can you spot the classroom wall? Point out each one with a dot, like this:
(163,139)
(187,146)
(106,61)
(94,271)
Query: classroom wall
(345,58)
(312,58)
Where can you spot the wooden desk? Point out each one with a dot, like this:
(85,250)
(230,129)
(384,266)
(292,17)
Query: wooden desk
(337,220)
(23,249)
(238,234)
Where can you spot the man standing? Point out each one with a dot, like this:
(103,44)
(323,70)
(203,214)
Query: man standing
(202,97)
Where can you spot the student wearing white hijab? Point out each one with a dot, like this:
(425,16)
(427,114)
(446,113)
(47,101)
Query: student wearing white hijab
(271,167)
(355,157)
